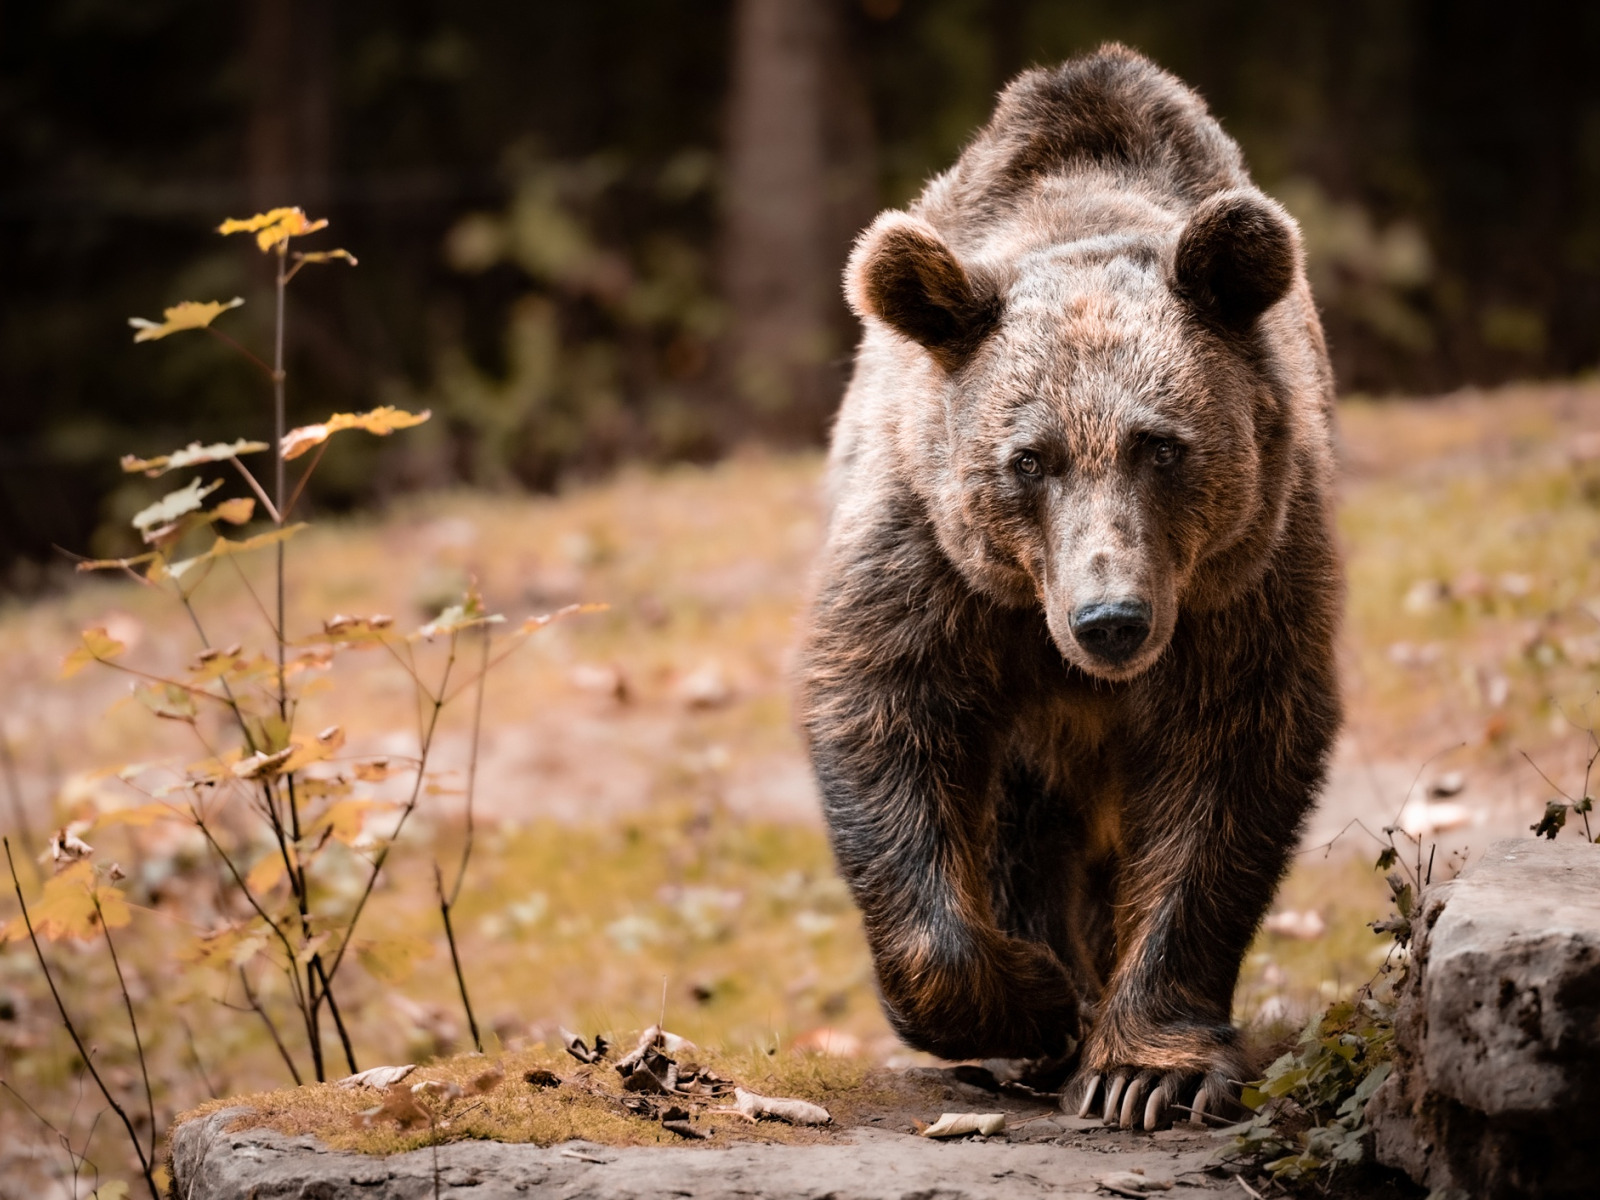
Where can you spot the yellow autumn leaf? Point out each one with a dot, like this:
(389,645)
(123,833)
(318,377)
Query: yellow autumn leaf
(381,421)
(137,816)
(190,455)
(393,959)
(266,874)
(236,511)
(273,227)
(571,610)
(322,256)
(66,908)
(98,645)
(190,314)
(343,819)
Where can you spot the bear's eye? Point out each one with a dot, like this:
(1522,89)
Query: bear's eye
(1164,452)
(1027,463)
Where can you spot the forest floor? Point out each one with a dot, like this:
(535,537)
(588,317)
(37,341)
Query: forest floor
(647,832)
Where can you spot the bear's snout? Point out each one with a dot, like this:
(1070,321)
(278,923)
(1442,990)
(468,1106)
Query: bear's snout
(1112,630)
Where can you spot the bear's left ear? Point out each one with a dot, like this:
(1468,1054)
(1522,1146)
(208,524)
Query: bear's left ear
(1236,258)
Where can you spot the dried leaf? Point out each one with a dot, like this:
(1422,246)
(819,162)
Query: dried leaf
(67,848)
(440,1089)
(272,227)
(797,1112)
(344,819)
(190,455)
(484,1083)
(1133,1183)
(266,874)
(960,1124)
(262,765)
(235,512)
(377,1077)
(115,1189)
(66,908)
(98,646)
(381,421)
(541,1078)
(172,506)
(190,314)
(400,1106)
(579,1049)
(373,771)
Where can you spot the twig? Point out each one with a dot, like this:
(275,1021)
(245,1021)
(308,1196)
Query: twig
(133,1024)
(472,767)
(255,486)
(194,1055)
(272,1029)
(66,1019)
(1250,1190)
(304,479)
(455,958)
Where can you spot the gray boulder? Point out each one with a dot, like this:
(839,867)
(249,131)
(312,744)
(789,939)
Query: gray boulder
(1497,1038)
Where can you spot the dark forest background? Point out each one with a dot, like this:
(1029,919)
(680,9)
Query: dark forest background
(598,232)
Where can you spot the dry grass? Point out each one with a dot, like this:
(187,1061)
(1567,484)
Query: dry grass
(587,1105)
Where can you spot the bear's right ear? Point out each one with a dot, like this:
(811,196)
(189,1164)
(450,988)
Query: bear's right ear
(902,273)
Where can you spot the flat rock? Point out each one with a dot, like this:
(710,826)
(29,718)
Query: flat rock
(1497,1037)
(211,1163)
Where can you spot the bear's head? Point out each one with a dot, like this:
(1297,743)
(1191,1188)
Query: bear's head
(1100,426)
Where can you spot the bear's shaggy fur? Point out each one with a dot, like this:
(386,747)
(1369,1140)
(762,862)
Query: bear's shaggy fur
(1068,677)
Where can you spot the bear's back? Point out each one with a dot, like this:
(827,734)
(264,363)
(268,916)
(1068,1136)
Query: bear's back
(1113,112)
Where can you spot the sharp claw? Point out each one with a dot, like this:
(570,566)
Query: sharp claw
(1197,1111)
(1155,1110)
(1131,1099)
(1114,1097)
(1090,1090)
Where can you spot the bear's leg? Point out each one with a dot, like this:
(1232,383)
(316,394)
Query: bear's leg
(899,686)
(1204,858)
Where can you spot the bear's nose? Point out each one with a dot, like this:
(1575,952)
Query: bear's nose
(1112,630)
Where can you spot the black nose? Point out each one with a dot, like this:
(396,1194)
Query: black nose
(1112,630)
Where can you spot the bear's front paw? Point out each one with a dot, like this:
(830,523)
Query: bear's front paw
(1189,1071)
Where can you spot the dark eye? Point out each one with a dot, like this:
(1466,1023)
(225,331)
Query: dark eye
(1027,463)
(1164,452)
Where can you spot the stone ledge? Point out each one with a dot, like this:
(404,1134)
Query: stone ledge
(211,1163)
(1497,1035)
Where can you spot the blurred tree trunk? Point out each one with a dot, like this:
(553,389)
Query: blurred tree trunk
(288,142)
(800,183)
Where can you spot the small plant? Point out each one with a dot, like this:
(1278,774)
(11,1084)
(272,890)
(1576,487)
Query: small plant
(1310,1105)
(288,816)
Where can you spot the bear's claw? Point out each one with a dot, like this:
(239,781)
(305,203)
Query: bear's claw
(1144,1099)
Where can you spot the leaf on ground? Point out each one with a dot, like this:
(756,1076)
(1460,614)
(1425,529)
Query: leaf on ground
(274,226)
(1133,1183)
(485,1082)
(961,1124)
(377,1077)
(579,1049)
(400,1106)
(98,646)
(189,314)
(393,959)
(796,1112)
(539,1077)
(191,455)
(382,421)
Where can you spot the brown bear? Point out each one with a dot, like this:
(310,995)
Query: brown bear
(1068,677)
